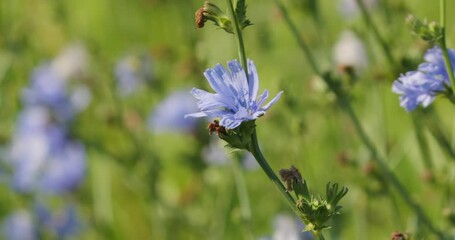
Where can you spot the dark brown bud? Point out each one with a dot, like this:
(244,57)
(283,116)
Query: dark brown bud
(398,236)
(216,127)
(346,69)
(200,19)
(290,175)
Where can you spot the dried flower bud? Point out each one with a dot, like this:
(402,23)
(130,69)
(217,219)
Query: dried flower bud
(215,127)
(289,176)
(399,236)
(200,19)
(213,13)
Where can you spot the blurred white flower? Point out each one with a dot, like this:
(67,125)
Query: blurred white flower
(249,162)
(80,97)
(19,226)
(288,228)
(71,61)
(349,8)
(349,52)
(214,153)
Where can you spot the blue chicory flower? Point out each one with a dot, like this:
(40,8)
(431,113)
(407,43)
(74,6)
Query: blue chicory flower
(235,100)
(167,115)
(423,85)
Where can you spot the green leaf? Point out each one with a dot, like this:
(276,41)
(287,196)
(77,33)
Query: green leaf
(240,11)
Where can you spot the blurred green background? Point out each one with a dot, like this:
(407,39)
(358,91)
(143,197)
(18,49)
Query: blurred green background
(141,184)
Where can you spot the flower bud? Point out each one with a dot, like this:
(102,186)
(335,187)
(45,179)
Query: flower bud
(294,182)
(430,32)
(315,212)
(213,13)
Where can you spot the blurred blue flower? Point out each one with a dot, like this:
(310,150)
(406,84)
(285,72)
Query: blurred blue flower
(19,226)
(30,225)
(49,84)
(48,89)
(62,224)
(423,85)
(132,72)
(168,115)
(65,168)
(43,157)
(235,100)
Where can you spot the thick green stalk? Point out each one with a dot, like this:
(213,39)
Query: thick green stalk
(318,235)
(242,194)
(445,53)
(423,143)
(239,37)
(256,151)
(433,123)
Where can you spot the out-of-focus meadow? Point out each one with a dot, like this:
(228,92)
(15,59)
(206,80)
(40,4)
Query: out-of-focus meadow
(93,143)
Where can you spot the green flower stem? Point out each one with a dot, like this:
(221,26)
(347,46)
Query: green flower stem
(242,194)
(253,146)
(239,36)
(318,235)
(445,53)
(299,39)
(385,48)
(256,151)
(433,124)
(346,106)
(388,174)
(423,143)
